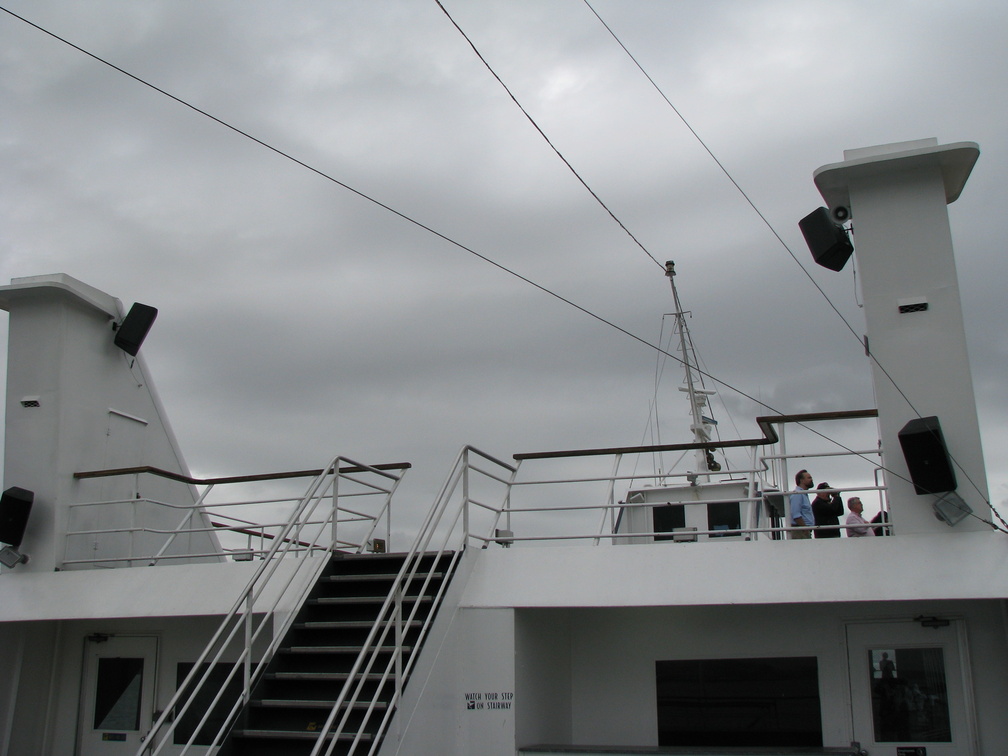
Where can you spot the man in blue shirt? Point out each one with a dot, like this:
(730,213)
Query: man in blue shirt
(801,507)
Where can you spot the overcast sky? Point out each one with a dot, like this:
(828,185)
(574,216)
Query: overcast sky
(298,320)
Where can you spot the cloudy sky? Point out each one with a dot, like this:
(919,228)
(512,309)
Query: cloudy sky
(300,320)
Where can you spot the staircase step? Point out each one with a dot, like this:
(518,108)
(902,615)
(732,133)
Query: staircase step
(337,649)
(346,624)
(306,676)
(319,676)
(294,735)
(308,703)
(376,576)
(353,600)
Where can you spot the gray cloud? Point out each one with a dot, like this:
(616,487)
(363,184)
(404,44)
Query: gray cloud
(299,320)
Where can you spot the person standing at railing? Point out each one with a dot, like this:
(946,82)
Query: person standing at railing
(827,509)
(801,507)
(857,526)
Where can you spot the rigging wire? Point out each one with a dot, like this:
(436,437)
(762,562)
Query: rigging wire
(543,135)
(784,244)
(419,224)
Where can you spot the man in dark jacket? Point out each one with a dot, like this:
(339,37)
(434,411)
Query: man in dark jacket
(827,508)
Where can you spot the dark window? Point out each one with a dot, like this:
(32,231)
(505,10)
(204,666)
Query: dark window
(667,518)
(117,694)
(909,696)
(188,721)
(723,516)
(739,702)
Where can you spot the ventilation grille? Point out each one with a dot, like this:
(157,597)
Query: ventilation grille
(914,304)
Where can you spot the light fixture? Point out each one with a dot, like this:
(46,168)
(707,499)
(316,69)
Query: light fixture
(951,509)
(11,557)
(932,622)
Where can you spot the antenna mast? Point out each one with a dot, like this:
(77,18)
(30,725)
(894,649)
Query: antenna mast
(700,425)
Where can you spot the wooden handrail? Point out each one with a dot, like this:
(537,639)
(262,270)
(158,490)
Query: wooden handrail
(233,478)
(765,423)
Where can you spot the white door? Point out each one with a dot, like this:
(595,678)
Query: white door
(910,692)
(117,694)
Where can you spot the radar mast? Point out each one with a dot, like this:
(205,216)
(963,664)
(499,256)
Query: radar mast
(700,424)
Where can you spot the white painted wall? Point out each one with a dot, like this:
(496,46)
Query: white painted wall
(465,702)
(898,196)
(609,680)
(46,658)
(97,409)
(582,628)
(544,654)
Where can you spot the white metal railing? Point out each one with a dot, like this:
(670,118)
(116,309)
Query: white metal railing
(484,502)
(441,538)
(250,619)
(149,531)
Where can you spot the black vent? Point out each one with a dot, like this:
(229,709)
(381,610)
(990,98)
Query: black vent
(916,307)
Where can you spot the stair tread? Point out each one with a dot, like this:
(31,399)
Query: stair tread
(295,734)
(277,718)
(311,703)
(346,624)
(372,576)
(317,676)
(336,649)
(323,600)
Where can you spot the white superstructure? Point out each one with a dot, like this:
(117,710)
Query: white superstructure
(551,603)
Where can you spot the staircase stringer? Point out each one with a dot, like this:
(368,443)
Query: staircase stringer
(429,655)
(377,639)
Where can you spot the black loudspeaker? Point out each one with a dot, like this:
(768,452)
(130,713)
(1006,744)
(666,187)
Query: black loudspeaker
(926,456)
(133,330)
(15,506)
(828,242)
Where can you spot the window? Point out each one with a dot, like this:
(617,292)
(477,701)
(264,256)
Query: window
(117,694)
(666,519)
(739,702)
(723,516)
(909,695)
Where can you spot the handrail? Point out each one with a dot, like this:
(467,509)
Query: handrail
(241,614)
(256,478)
(390,616)
(765,423)
(154,552)
(458,519)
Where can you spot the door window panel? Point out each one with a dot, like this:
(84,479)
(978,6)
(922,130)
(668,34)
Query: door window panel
(118,694)
(909,695)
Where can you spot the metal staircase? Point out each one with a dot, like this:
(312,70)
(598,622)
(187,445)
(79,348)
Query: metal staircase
(318,661)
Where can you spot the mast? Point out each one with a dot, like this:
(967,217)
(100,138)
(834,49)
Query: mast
(700,425)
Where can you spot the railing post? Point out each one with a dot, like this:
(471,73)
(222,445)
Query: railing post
(335,505)
(610,508)
(247,674)
(784,486)
(465,497)
(754,505)
(399,640)
(388,521)
(184,523)
(132,548)
(612,496)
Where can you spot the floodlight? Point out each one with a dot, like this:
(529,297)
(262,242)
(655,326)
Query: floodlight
(11,557)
